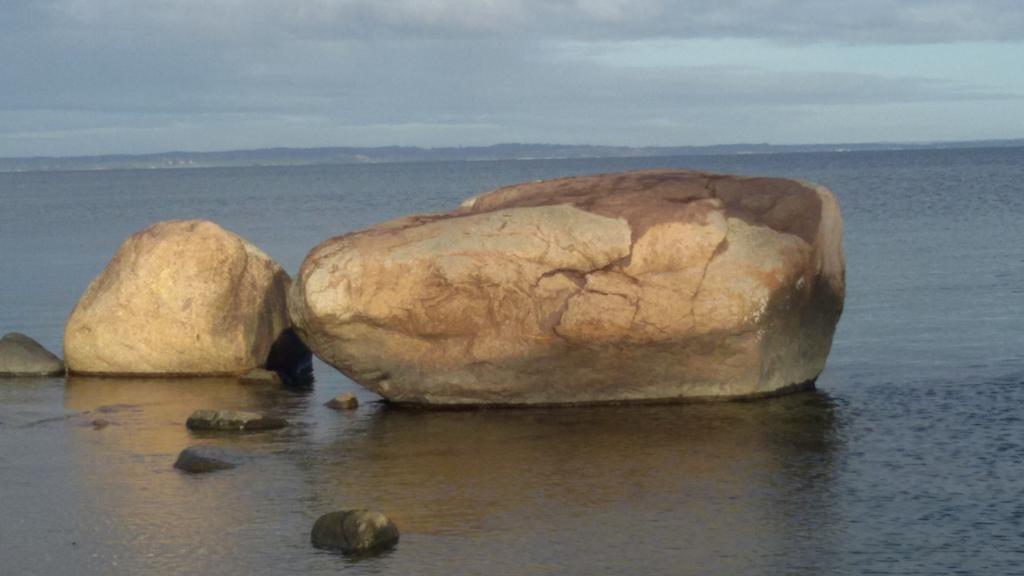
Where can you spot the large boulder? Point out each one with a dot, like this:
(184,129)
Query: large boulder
(643,286)
(182,297)
(23,356)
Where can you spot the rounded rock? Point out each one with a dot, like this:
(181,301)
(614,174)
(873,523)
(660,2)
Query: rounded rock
(182,297)
(354,531)
(23,356)
(641,286)
(202,459)
(344,401)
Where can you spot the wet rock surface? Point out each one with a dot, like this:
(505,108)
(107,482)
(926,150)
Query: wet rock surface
(343,402)
(203,459)
(260,376)
(354,532)
(642,286)
(233,420)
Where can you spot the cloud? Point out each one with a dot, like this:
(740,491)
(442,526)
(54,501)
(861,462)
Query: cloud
(156,74)
(796,21)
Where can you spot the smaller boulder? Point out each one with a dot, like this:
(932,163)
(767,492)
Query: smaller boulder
(182,298)
(344,401)
(23,356)
(233,420)
(354,532)
(260,376)
(202,459)
(100,423)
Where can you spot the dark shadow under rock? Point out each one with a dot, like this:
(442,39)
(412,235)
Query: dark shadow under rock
(291,358)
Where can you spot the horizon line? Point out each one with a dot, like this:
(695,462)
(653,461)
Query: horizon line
(652,147)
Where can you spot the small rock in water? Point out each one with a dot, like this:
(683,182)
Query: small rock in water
(233,420)
(200,459)
(23,356)
(344,401)
(354,531)
(260,376)
(100,423)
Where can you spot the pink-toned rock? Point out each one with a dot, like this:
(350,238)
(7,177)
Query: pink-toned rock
(182,297)
(644,286)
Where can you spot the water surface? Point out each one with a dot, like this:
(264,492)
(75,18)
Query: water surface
(907,460)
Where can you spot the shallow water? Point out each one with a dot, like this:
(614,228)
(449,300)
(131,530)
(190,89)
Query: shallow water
(909,458)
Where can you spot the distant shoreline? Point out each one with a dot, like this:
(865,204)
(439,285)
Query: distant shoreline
(271,157)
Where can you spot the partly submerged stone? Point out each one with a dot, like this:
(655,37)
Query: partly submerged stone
(354,531)
(23,356)
(233,420)
(260,376)
(202,459)
(344,401)
(182,297)
(643,286)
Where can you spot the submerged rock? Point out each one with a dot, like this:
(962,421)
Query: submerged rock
(344,401)
(201,459)
(182,297)
(654,285)
(23,356)
(354,531)
(233,420)
(260,376)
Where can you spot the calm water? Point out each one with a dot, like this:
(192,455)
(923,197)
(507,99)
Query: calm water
(909,459)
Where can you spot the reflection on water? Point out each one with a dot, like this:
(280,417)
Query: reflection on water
(683,489)
(452,472)
(914,468)
(635,489)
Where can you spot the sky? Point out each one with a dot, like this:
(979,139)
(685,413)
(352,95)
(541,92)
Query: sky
(84,77)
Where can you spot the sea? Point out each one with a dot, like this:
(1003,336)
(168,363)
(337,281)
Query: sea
(907,459)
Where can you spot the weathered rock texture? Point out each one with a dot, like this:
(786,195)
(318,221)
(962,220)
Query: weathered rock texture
(182,297)
(641,286)
(23,356)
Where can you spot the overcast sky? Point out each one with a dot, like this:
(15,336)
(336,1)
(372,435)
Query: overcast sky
(133,76)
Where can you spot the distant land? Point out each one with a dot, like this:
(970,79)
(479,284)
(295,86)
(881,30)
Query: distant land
(391,154)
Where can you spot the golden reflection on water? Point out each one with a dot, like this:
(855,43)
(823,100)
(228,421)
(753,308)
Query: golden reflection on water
(699,480)
(142,506)
(459,472)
